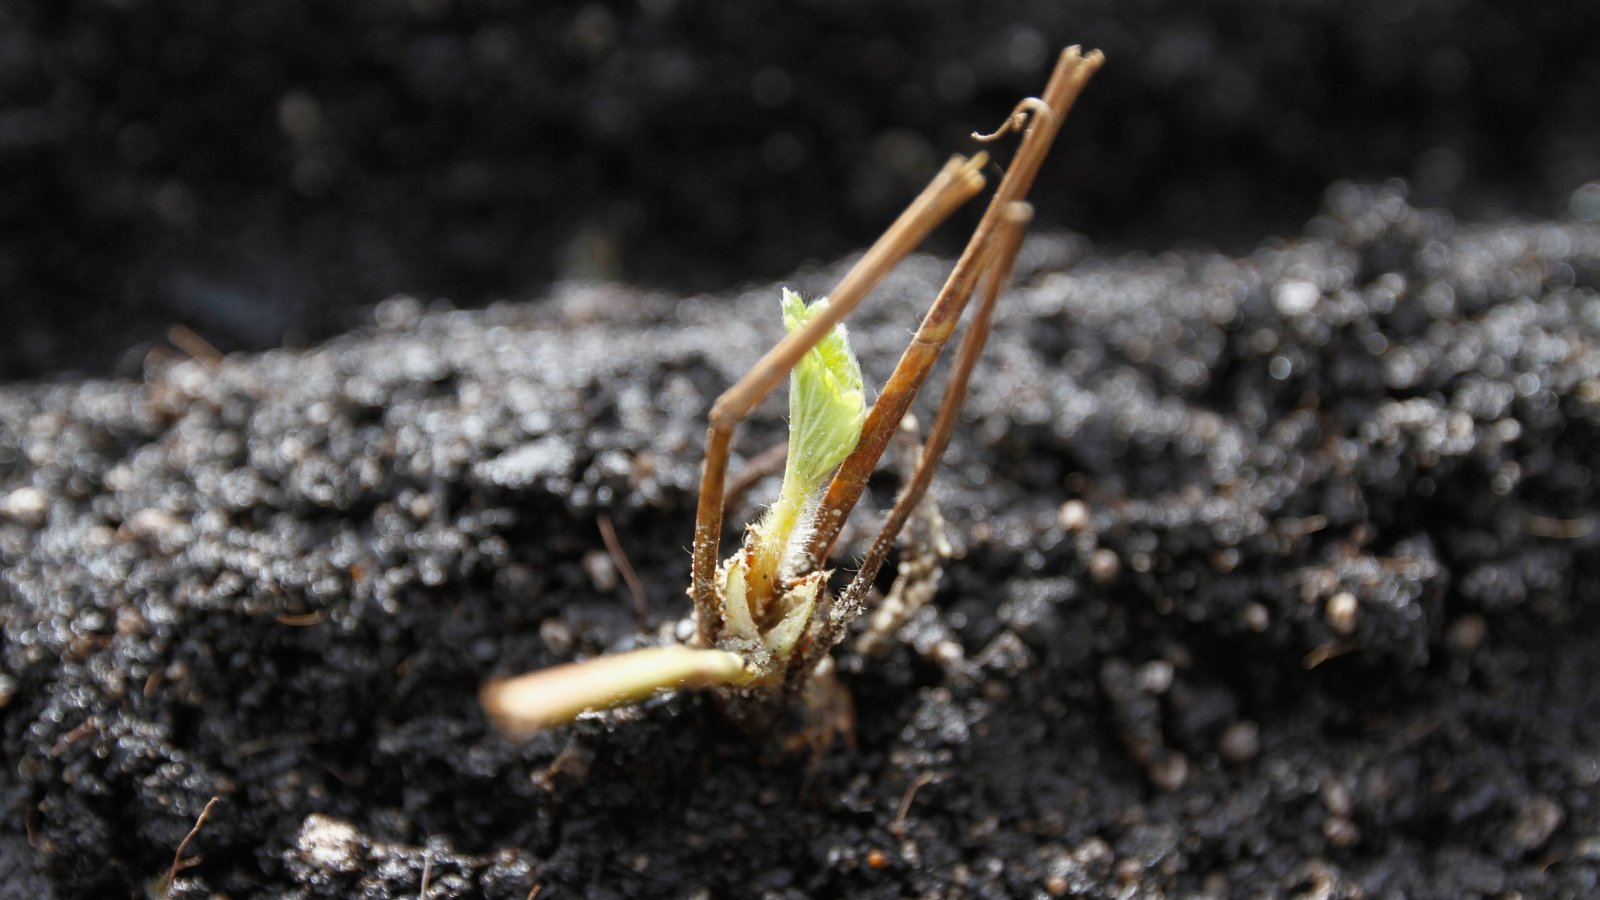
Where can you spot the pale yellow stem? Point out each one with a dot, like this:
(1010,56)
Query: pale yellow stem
(557,695)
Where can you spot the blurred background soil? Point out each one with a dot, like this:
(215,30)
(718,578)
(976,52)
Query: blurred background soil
(261,173)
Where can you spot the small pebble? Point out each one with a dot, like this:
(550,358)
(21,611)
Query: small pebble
(1170,773)
(329,844)
(1074,515)
(601,570)
(1256,618)
(1340,832)
(149,524)
(1103,565)
(556,636)
(1241,743)
(1341,613)
(1336,798)
(1155,676)
(1536,822)
(26,506)
(1466,634)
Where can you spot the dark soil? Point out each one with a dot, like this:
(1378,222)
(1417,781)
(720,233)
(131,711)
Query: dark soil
(262,173)
(1278,577)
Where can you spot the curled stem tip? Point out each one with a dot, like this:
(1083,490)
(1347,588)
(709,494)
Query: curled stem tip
(1017,119)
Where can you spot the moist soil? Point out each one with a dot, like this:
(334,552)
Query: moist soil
(1275,575)
(265,174)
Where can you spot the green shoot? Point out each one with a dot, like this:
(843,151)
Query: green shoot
(827,405)
(763,618)
(764,614)
(764,621)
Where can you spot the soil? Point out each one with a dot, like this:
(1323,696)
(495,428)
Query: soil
(1277,576)
(1276,570)
(263,175)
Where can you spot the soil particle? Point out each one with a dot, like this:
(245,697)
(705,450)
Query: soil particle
(1538,819)
(281,579)
(333,859)
(1241,742)
(26,505)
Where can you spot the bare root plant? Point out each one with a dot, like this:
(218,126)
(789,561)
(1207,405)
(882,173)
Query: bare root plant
(765,619)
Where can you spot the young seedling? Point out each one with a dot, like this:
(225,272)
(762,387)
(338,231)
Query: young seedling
(765,620)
